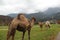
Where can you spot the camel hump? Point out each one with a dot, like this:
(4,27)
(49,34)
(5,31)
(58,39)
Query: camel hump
(24,22)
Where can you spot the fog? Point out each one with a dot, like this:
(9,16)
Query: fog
(26,6)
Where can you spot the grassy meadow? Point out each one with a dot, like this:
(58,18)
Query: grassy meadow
(36,33)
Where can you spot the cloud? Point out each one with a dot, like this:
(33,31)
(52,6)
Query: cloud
(1,2)
(27,6)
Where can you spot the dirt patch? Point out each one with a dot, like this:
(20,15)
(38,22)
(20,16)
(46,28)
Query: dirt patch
(58,36)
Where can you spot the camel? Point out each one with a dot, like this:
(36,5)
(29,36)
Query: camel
(47,24)
(40,24)
(22,24)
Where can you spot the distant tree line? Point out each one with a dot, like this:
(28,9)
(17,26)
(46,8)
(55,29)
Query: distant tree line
(5,20)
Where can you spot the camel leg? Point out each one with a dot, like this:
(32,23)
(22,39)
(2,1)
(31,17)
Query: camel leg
(49,26)
(29,34)
(23,35)
(41,27)
(8,35)
(13,34)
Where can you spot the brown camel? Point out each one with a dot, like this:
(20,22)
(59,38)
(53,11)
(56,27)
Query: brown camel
(40,24)
(20,23)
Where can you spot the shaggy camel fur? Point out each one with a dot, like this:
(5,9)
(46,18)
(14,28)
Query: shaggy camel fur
(47,24)
(40,24)
(20,23)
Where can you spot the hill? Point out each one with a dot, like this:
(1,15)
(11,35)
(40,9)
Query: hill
(40,16)
(47,14)
(5,20)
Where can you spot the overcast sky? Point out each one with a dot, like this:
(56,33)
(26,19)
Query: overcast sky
(26,6)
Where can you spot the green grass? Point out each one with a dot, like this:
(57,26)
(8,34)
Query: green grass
(36,33)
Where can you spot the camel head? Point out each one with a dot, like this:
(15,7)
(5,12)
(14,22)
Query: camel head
(33,19)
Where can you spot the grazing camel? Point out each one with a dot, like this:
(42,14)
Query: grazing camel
(20,23)
(40,24)
(47,24)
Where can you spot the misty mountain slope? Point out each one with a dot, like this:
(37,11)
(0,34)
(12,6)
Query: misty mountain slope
(57,16)
(12,15)
(39,14)
(49,14)
(51,11)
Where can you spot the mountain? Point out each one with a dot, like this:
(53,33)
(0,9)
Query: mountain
(49,14)
(52,10)
(57,16)
(38,15)
(12,15)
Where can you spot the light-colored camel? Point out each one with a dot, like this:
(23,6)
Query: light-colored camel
(47,24)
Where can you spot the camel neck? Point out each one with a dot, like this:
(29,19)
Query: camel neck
(32,22)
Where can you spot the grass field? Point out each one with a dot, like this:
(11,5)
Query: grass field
(36,33)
